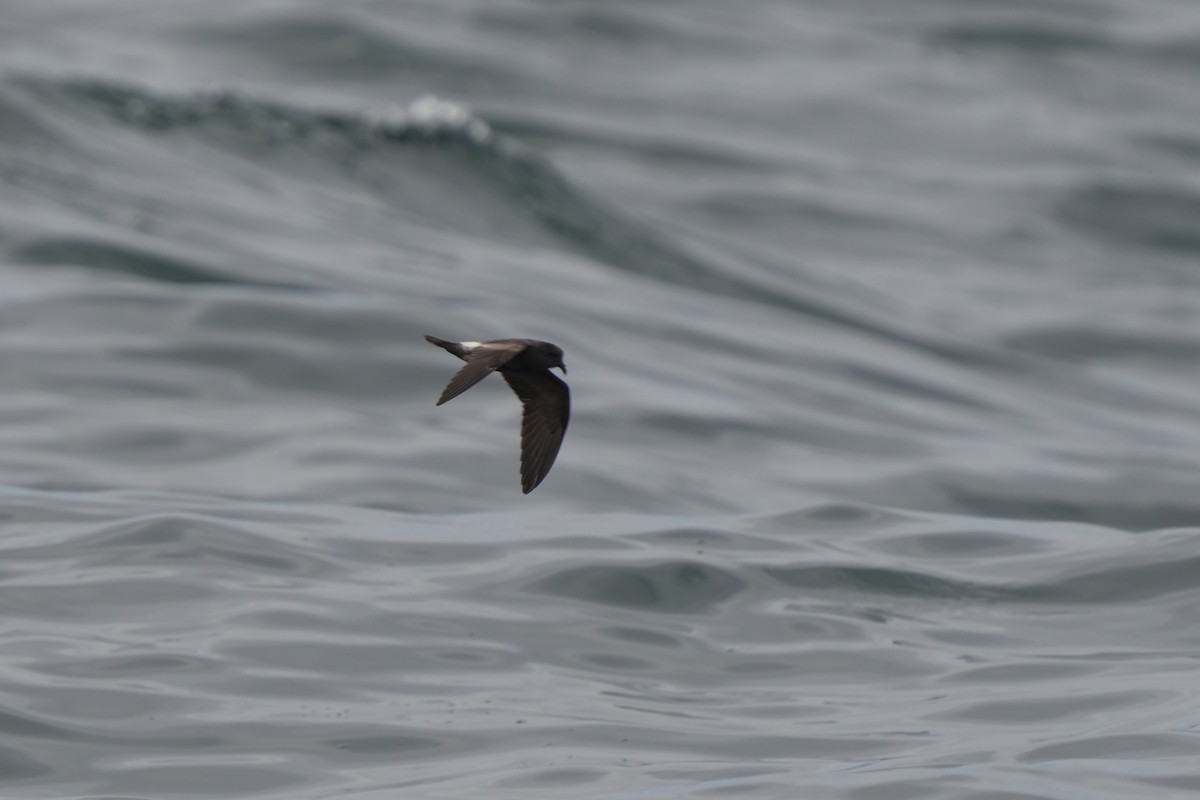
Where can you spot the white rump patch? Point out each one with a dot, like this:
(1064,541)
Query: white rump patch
(468,346)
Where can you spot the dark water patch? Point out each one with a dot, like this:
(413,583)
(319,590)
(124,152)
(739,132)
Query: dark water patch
(1042,672)
(1185,781)
(830,627)
(973,641)
(958,545)
(829,667)
(1075,708)
(123,259)
(307,622)
(679,587)
(1156,216)
(756,746)
(587,226)
(555,778)
(1022,40)
(634,28)
(1123,584)
(701,425)
(878,580)
(278,365)
(1085,343)
(1153,510)
(771,213)
(369,658)
(291,343)
(611,662)
(595,652)
(345,618)
(641,636)
(141,665)
(1180,49)
(829,516)
(97,705)
(288,317)
(27,726)
(326,45)
(902,382)
(16,765)
(1180,145)
(303,692)
(733,157)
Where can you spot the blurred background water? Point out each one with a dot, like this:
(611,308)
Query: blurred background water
(883,322)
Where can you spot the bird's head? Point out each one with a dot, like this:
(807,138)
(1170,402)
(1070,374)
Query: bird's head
(554,357)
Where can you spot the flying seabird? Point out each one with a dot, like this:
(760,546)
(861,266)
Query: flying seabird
(525,365)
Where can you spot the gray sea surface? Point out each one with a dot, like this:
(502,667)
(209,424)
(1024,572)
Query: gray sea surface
(883,327)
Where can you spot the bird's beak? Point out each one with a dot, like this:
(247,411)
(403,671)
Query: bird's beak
(563,367)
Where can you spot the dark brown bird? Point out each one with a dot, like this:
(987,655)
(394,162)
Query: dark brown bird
(525,365)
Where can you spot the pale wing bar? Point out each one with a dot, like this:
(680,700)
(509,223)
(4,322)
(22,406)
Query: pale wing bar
(481,362)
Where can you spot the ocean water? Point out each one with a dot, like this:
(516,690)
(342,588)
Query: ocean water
(883,327)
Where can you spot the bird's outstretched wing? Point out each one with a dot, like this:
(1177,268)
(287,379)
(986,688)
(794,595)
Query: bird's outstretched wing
(547,409)
(481,362)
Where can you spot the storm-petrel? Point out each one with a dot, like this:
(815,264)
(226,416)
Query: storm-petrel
(525,365)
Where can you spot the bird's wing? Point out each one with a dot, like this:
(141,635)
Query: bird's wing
(547,408)
(481,362)
(455,348)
